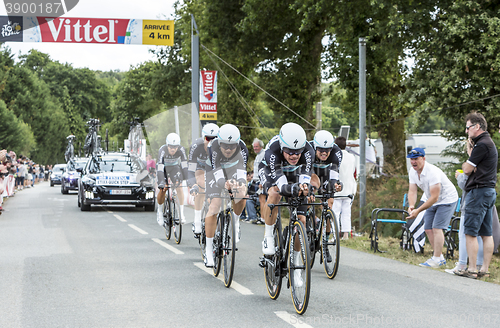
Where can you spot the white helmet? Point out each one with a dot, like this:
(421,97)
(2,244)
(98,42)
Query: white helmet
(323,139)
(173,139)
(229,134)
(292,136)
(209,130)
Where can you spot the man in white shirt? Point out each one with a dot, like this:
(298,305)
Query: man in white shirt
(370,154)
(441,202)
(343,205)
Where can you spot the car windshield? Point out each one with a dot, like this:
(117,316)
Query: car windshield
(72,166)
(58,168)
(115,164)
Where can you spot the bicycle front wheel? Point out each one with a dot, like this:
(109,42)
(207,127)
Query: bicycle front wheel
(299,268)
(203,235)
(228,248)
(272,269)
(330,246)
(176,220)
(310,235)
(167,217)
(217,246)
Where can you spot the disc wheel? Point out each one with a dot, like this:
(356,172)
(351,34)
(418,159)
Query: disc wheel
(272,270)
(228,248)
(167,218)
(299,268)
(330,246)
(217,247)
(176,221)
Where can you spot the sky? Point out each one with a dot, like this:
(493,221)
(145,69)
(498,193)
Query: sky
(103,57)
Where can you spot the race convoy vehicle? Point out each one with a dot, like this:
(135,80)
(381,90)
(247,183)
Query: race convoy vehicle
(55,176)
(116,178)
(69,179)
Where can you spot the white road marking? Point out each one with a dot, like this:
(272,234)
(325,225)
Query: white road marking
(109,211)
(234,285)
(139,230)
(167,246)
(119,218)
(291,319)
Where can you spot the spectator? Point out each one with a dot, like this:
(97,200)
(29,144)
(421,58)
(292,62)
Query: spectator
(258,148)
(441,202)
(461,265)
(347,171)
(253,200)
(150,164)
(21,173)
(481,167)
(3,174)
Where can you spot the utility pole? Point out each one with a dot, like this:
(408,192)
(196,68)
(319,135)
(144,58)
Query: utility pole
(362,131)
(195,82)
(319,121)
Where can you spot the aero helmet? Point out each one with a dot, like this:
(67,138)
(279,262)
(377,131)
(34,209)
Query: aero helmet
(209,130)
(229,134)
(173,139)
(292,136)
(323,139)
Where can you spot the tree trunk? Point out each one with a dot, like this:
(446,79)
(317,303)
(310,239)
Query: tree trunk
(393,139)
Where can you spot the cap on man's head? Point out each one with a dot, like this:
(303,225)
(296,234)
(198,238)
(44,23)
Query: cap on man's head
(416,152)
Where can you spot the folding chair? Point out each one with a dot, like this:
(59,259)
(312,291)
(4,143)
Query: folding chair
(451,234)
(398,219)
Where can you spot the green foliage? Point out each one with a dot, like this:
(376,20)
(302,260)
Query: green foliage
(15,135)
(457,62)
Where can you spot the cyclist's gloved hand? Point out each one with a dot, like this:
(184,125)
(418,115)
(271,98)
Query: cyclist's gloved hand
(194,190)
(290,190)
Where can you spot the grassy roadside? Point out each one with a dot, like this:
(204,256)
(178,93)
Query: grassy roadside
(391,245)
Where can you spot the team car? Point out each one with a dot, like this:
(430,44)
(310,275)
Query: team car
(69,179)
(55,176)
(118,179)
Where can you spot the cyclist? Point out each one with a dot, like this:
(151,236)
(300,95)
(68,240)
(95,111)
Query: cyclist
(328,157)
(326,171)
(197,163)
(285,171)
(228,156)
(172,163)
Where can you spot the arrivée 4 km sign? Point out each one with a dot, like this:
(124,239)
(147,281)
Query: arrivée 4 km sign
(86,30)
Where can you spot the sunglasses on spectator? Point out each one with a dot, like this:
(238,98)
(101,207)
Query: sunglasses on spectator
(323,150)
(292,152)
(228,147)
(207,138)
(416,152)
(470,126)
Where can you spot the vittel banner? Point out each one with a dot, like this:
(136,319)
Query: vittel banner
(90,30)
(208,96)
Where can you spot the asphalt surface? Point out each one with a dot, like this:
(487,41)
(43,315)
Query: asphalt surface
(113,267)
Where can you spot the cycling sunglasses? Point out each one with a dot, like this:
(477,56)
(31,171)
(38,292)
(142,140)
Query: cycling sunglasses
(173,147)
(228,147)
(292,152)
(323,150)
(207,138)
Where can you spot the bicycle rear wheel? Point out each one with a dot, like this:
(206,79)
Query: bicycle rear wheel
(176,220)
(167,216)
(217,246)
(299,268)
(330,246)
(272,270)
(228,248)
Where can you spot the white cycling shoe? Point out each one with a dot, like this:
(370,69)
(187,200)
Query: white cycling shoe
(268,246)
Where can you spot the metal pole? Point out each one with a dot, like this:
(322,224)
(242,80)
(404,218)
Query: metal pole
(176,117)
(195,83)
(362,131)
(319,121)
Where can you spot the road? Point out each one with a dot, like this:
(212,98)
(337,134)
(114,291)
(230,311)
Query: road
(113,267)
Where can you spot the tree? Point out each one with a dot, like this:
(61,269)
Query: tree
(457,64)
(15,135)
